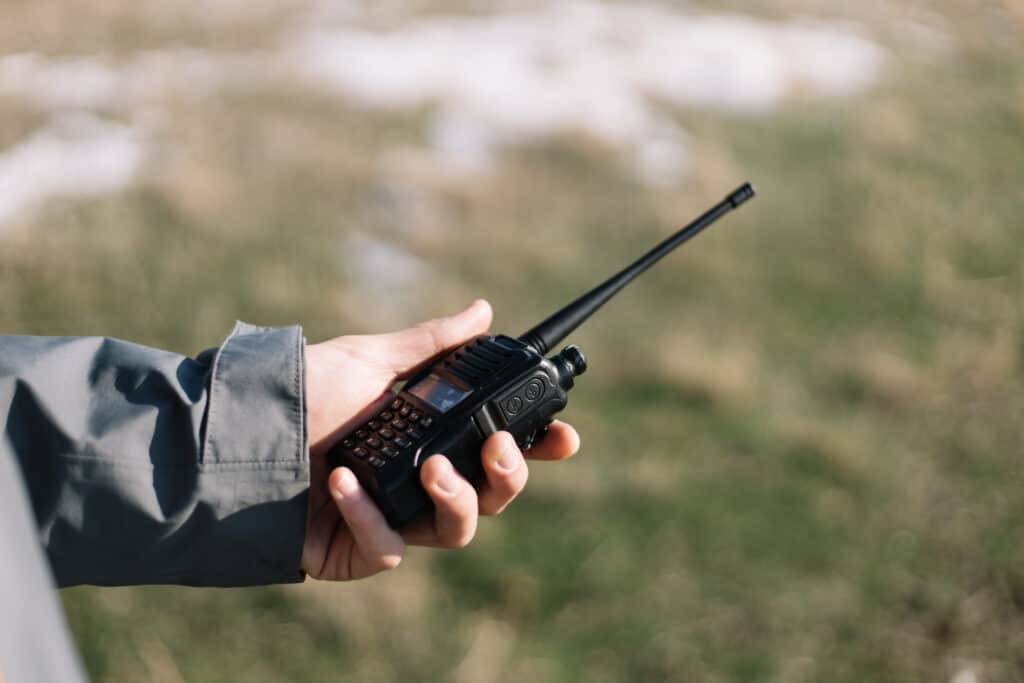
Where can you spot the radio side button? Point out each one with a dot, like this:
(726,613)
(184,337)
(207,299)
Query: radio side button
(485,422)
(534,390)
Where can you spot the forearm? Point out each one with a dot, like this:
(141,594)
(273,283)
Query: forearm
(148,467)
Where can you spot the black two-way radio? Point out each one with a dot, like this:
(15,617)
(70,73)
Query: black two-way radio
(488,384)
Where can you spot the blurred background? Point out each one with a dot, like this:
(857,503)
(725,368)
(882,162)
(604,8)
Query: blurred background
(802,435)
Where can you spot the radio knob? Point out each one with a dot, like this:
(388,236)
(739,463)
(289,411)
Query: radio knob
(575,359)
(570,363)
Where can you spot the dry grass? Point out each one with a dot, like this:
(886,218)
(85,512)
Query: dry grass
(801,438)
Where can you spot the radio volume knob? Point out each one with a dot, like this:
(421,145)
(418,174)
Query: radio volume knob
(575,358)
(570,363)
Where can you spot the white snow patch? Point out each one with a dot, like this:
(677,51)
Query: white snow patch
(585,66)
(78,82)
(965,675)
(372,260)
(78,155)
(375,267)
(614,72)
(90,82)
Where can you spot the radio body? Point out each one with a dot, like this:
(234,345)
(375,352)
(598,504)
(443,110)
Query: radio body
(488,384)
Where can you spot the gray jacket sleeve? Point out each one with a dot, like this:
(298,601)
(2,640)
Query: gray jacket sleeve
(144,466)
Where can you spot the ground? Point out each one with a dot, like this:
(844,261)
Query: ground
(801,434)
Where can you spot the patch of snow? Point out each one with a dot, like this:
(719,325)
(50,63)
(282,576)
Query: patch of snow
(77,155)
(92,83)
(374,261)
(662,157)
(601,69)
(73,83)
(380,271)
(613,72)
(965,675)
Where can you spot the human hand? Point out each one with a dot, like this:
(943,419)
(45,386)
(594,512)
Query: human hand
(350,378)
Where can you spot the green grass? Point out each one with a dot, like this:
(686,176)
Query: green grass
(801,435)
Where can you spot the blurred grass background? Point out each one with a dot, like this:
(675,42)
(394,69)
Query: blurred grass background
(801,436)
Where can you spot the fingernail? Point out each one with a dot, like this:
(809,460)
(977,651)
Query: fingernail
(346,484)
(507,458)
(447,482)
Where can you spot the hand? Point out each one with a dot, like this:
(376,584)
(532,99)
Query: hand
(350,378)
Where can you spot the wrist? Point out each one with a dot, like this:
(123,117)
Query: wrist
(317,421)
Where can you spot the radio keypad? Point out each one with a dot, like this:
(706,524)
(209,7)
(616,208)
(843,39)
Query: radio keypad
(382,438)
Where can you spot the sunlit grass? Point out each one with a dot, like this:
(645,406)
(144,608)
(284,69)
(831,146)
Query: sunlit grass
(801,434)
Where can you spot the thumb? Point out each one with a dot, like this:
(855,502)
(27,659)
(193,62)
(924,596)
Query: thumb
(405,350)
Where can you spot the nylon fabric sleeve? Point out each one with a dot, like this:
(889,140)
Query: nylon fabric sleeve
(144,466)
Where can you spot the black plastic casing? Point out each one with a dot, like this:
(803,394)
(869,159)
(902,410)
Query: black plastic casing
(511,387)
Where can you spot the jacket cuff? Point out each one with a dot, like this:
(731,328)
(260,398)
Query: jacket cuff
(255,458)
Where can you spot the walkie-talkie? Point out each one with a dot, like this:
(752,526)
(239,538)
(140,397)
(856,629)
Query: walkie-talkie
(488,384)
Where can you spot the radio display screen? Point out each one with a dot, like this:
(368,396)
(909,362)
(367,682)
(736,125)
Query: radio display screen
(438,393)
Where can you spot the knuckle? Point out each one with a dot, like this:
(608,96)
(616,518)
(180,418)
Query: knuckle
(357,514)
(514,482)
(499,480)
(430,334)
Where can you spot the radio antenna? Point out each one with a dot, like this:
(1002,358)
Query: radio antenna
(561,324)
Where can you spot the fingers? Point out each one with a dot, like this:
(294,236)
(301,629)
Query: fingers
(506,473)
(455,507)
(457,504)
(405,350)
(374,546)
(559,443)
(377,546)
